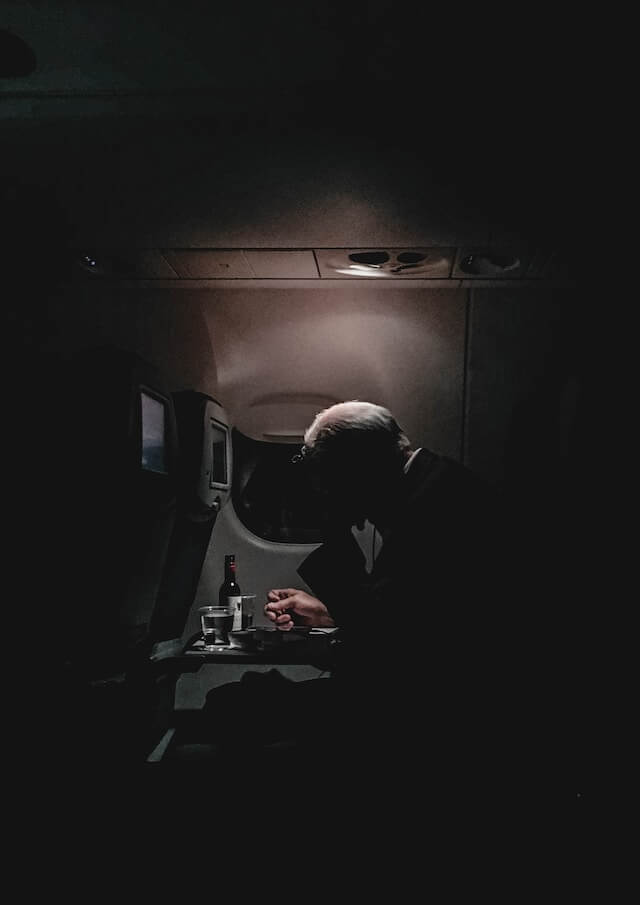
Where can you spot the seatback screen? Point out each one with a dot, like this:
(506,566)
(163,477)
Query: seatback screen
(219,454)
(154,454)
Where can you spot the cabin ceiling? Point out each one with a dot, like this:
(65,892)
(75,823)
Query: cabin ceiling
(205,145)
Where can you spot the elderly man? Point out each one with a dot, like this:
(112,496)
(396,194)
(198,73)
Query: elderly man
(424,673)
(431,648)
(439,525)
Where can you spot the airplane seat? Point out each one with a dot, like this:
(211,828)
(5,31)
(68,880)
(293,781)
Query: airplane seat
(116,458)
(204,486)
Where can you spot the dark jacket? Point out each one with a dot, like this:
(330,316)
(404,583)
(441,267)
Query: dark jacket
(432,639)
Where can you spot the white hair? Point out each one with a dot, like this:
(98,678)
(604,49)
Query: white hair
(355,415)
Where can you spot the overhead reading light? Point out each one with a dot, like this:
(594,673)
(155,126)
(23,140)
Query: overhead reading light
(370,258)
(365,263)
(361,270)
(428,262)
(410,258)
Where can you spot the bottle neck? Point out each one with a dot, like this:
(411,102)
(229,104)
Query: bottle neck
(230,572)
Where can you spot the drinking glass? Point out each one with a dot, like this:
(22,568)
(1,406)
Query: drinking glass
(216,622)
(248,602)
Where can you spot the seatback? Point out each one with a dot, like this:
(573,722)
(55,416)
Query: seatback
(204,486)
(120,461)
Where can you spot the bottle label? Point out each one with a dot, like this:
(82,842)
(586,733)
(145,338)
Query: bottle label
(236,603)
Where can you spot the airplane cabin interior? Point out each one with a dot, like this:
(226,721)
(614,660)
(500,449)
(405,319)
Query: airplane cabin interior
(218,226)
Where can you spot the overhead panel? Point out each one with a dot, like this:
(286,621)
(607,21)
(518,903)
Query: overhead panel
(208,264)
(385,263)
(284,265)
(122,263)
(465,267)
(147,264)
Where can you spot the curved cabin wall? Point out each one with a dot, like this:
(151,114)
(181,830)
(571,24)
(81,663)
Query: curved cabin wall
(402,348)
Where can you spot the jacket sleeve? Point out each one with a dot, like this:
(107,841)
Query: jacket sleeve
(336,573)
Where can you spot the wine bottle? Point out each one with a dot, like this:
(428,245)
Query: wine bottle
(229,593)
